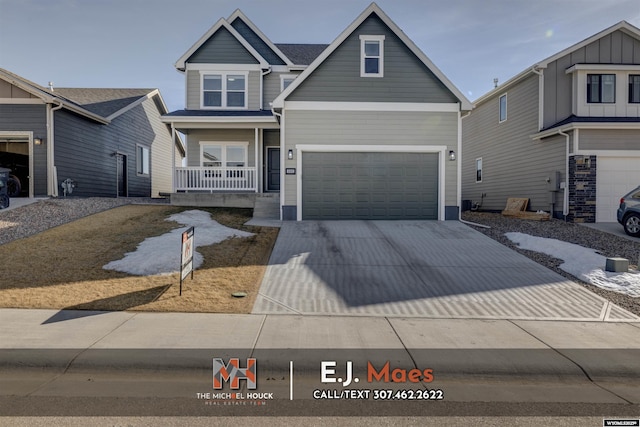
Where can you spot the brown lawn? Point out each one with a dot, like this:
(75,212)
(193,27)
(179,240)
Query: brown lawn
(61,268)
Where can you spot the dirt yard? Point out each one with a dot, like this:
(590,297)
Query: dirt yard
(61,268)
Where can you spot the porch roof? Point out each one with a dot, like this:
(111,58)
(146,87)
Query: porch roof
(221,119)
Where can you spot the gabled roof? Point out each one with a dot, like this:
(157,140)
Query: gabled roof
(222,23)
(99,104)
(622,25)
(239,15)
(373,9)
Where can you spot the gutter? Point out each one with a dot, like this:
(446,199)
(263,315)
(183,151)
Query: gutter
(263,73)
(565,202)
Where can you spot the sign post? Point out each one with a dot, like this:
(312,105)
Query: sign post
(186,257)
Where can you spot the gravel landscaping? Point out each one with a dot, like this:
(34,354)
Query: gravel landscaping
(45,214)
(606,244)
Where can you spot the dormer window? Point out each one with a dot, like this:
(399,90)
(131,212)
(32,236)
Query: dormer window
(371,56)
(601,88)
(224,90)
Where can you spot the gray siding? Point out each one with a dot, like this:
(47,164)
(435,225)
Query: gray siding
(514,165)
(84,152)
(609,139)
(371,128)
(219,135)
(31,118)
(193,90)
(272,87)
(161,154)
(7,90)
(222,48)
(406,78)
(615,48)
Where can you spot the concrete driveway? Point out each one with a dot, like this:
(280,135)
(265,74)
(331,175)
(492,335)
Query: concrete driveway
(416,269)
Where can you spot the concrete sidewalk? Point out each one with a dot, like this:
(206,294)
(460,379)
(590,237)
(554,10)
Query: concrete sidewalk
(570,361)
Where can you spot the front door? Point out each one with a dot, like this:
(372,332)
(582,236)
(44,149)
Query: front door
(273,169)
(121,173)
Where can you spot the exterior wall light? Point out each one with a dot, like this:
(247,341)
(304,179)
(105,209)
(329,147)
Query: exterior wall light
(452,155)
(37,141)
(290,155)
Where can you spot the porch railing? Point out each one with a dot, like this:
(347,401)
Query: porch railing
(215,179)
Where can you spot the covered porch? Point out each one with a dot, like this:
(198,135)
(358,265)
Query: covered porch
(227,151)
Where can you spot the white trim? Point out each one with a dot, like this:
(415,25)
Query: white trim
(602,67)
(372,106)
(180,63)
(224,76)
(282,162)
(21,101)
(363,56)
(223,67)
(585,125)
(136,103)
(506,116)
(374,9)
(439,149)
(256,156)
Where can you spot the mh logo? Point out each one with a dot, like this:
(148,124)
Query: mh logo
(233,373)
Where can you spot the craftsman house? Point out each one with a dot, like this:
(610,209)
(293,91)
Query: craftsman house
(564,133)
(85,142)
(366,127)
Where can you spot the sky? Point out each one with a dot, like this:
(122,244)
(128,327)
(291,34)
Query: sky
(135,43)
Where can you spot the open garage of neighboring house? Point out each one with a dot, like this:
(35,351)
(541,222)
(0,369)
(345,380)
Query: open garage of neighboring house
(616,176)
(369,185)
(14,155)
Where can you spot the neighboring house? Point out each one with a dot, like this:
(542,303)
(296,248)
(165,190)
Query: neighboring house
(565,132)
(363,128)
(109,142)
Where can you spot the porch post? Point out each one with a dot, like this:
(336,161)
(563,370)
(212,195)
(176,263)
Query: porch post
(257,160)
(173,158)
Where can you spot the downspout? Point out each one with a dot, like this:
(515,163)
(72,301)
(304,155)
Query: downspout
(565,203)
(262,74)
(52,175)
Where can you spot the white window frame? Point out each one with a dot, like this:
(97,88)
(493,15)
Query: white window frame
(380,40)
(224,145)
(224,76)
(284,77)
(143,163)
(479,169)
(500,119)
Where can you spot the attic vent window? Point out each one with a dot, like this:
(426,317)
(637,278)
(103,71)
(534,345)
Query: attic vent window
(371,56)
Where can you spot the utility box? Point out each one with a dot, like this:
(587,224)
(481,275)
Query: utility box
(4,189)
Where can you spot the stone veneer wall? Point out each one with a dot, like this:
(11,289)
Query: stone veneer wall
(582,189)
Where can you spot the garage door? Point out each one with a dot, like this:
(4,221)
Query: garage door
(616,176)
(369,185)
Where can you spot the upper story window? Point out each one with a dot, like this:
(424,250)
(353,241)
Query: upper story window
(142,160)
(601,88)
(634,88)
(286,80)
(503,108)
(224,90)
(371,56)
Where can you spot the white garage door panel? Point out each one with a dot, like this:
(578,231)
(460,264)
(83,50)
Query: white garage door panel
(616,177)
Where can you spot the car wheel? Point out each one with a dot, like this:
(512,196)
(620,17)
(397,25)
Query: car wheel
(14,187)
(632,225)
(4,201)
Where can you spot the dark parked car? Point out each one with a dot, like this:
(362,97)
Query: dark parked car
(18,183)
(629,213)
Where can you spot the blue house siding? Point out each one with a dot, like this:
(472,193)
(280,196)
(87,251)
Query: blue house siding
(85,152)
(29,118)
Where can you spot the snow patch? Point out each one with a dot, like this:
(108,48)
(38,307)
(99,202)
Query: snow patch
(581,262)
(161,254)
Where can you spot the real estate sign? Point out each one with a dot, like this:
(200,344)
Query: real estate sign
(186,258)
